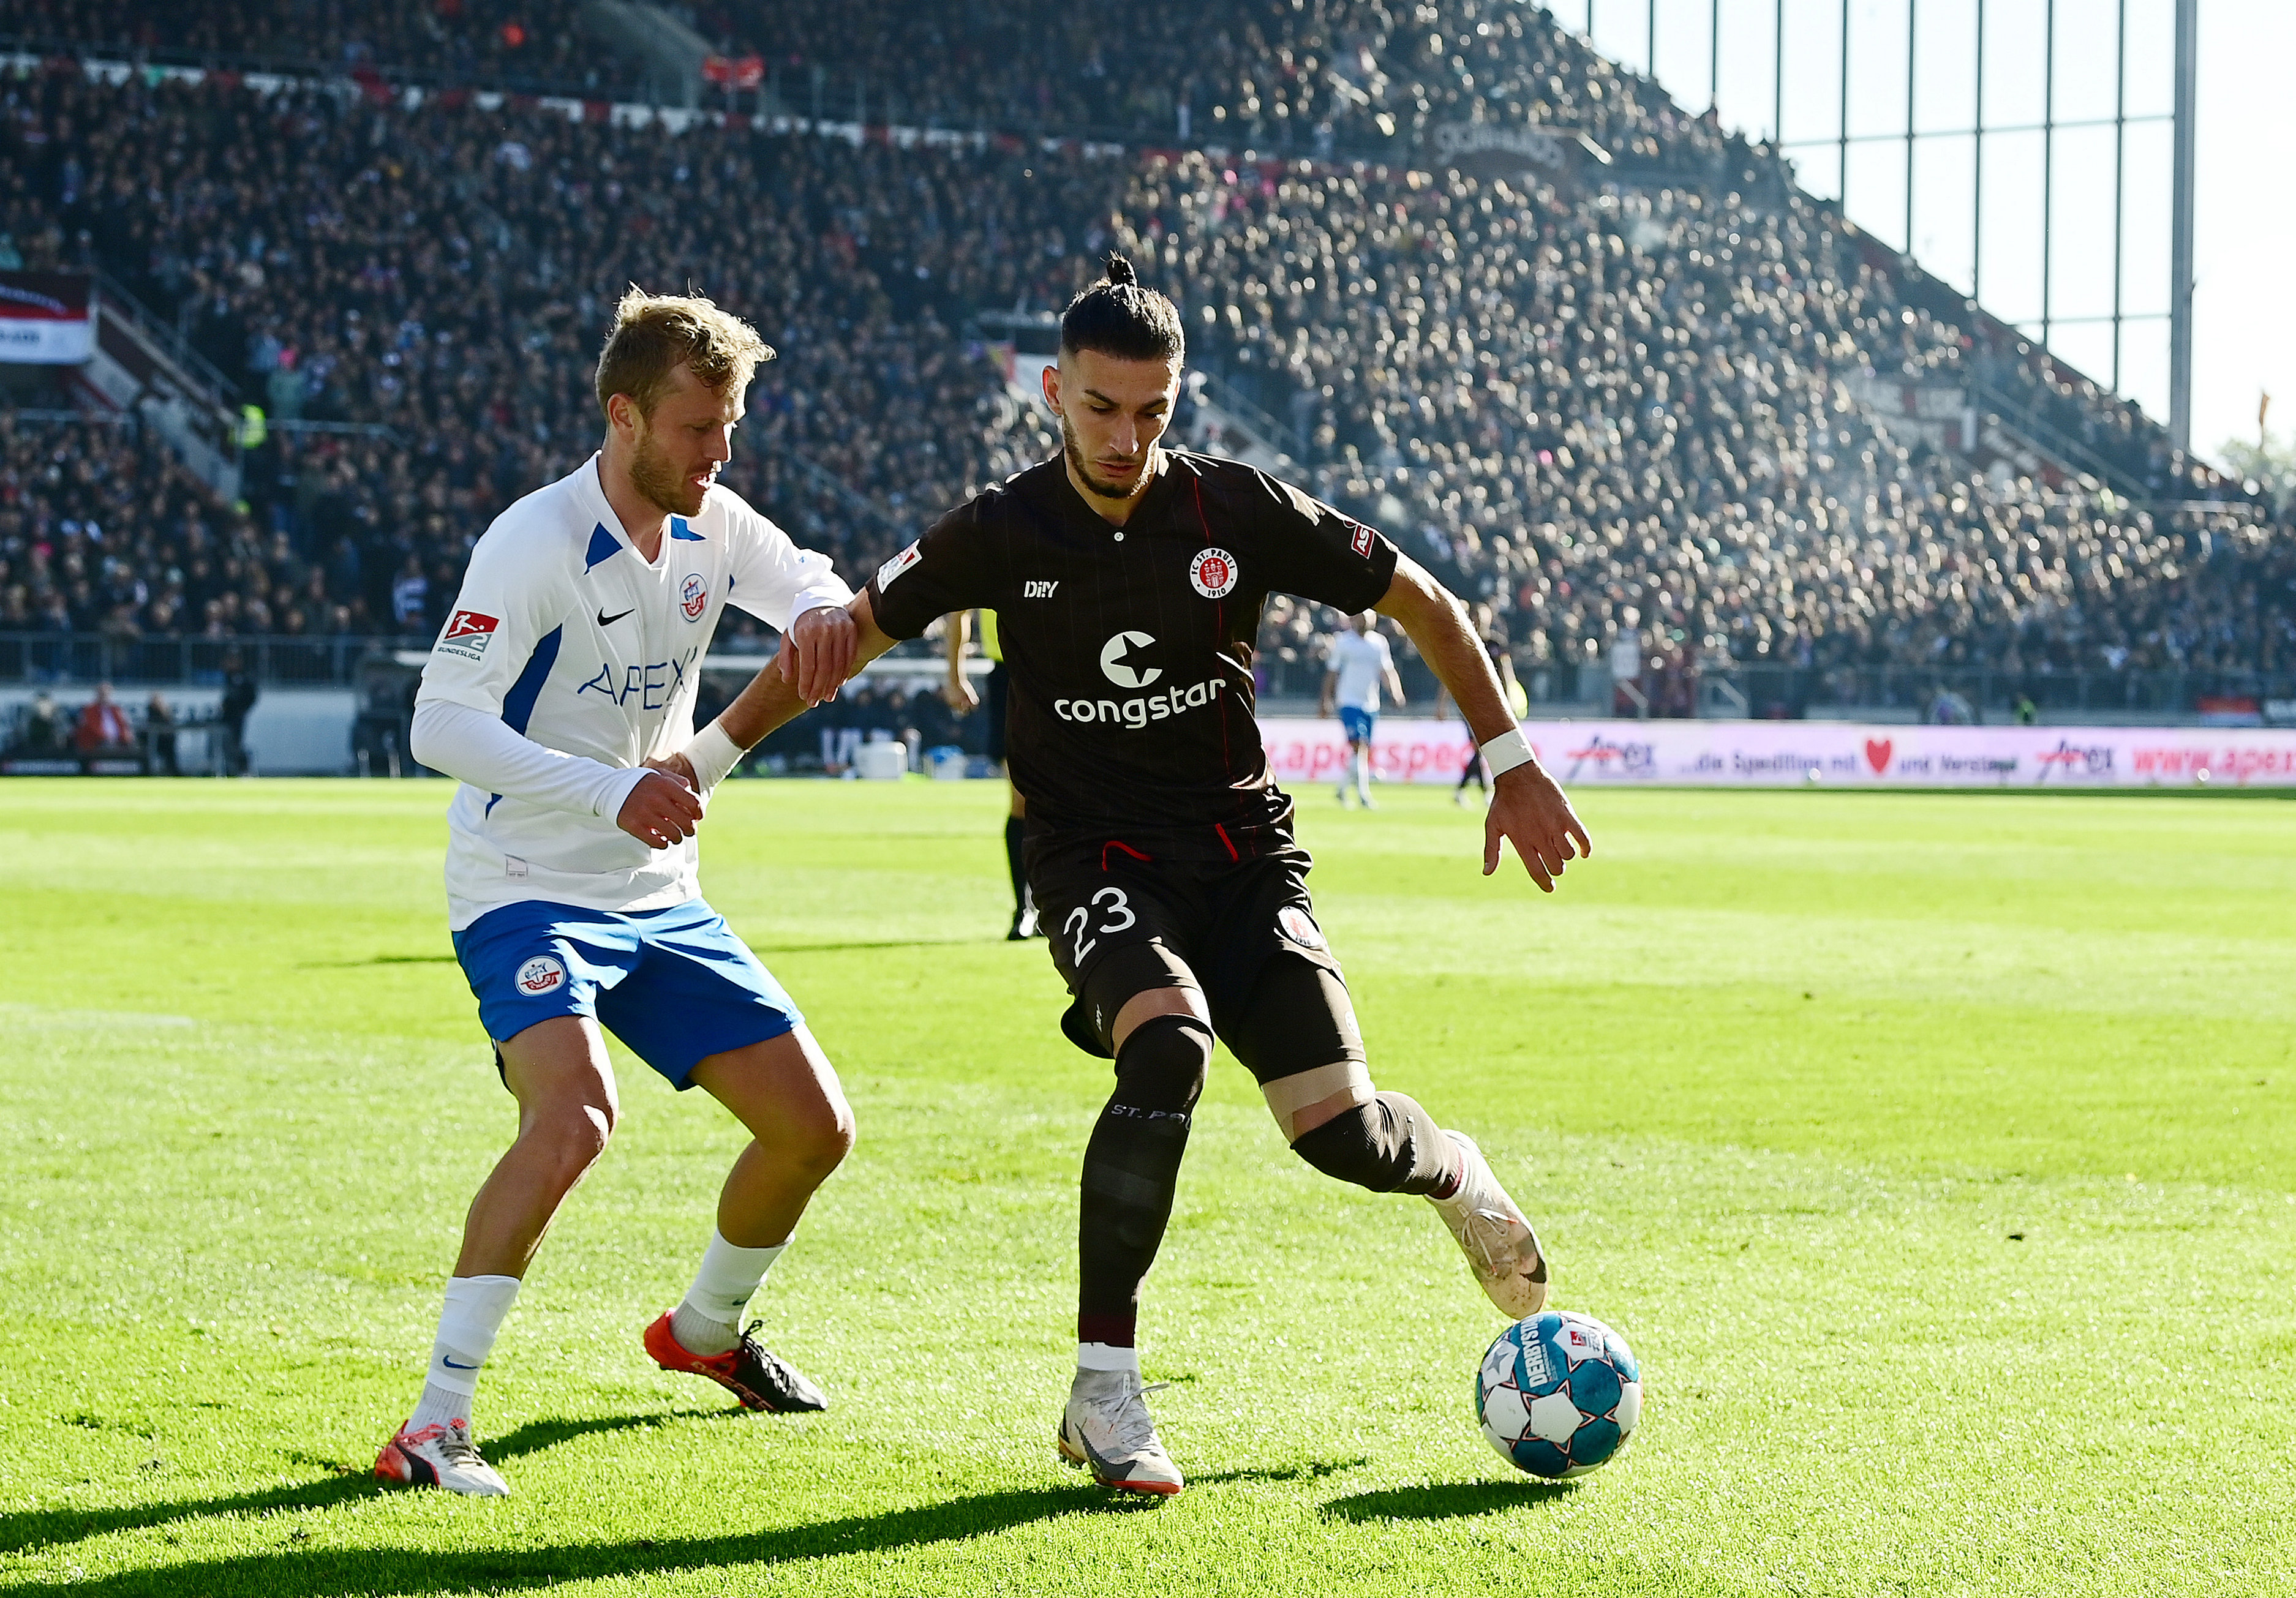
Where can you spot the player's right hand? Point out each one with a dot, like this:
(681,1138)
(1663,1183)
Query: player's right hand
(961,699)
(679,766)
(661,811)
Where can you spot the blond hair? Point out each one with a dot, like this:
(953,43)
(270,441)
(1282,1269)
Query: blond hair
(655,334)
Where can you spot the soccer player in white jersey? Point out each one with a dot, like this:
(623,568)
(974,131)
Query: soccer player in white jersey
(1360,664)
(570,659)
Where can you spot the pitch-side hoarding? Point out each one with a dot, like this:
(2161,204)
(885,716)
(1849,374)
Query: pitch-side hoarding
(44,318)
(1305,751)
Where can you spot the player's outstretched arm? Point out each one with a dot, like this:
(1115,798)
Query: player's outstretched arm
(778,694)
(1527,807)
(474,747)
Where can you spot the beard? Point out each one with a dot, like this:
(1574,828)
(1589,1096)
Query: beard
(1077,464)
(660,483)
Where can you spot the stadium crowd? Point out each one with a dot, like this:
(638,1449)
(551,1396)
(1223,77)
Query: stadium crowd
(1623,412)
(1284,77)
(498,42)
(1635,412)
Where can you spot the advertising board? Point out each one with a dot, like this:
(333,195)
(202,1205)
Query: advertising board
(44,318)
(1306,750)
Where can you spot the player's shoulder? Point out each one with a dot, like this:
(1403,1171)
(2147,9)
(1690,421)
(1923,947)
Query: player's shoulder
(1237,486)
(726,514)
(1036,488)
(558,521)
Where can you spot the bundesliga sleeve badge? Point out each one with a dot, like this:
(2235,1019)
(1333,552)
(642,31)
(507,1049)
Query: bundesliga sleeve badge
(898,564)
(466,635)
(1213,573)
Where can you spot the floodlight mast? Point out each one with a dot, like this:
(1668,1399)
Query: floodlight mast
(2180,249)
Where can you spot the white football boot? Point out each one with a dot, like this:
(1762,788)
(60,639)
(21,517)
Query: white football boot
(1107,1428)
(440,1455)
(1500,1247)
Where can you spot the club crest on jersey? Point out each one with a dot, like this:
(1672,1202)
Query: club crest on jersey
(541,974)
(898,564)
(467,634)
(1213,573)
(694,596)
(1300,927)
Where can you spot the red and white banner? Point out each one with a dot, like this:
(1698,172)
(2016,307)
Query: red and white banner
(43,319)
(1304,751)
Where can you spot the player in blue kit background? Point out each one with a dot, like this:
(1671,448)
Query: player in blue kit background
(1359,665)
(572,876)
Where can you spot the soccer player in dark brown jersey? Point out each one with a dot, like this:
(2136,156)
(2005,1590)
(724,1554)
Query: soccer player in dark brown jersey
(1128,580)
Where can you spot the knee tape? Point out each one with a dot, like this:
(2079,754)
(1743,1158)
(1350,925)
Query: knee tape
(1340,1086)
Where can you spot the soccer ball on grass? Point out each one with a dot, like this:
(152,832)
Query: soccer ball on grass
(1559,1393)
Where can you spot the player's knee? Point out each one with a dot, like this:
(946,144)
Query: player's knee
(1163,1062)
(821,1138)
(573,1135)
(1358,1145)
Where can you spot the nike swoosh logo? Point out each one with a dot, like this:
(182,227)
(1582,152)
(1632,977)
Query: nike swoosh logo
(449,1360)
(605,620)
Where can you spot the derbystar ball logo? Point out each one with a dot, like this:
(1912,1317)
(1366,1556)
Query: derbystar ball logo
(694,596)
(541,974)
(1213,573)
(1118,669)
(467,634)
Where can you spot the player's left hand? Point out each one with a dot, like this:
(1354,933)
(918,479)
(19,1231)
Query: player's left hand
(1530,809)
(817,653)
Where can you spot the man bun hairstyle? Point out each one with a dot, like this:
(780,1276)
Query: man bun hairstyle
(1116,316)
(655,334)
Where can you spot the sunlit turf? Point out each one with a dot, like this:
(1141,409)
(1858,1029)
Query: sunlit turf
(1934,1152)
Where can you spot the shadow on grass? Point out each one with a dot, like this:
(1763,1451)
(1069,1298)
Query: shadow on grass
(333,1573)
(870,943)
(35,1528)
(1446,1500)
(375,959)
(1314,1469)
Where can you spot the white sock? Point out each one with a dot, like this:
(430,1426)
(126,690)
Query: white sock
(1107,1356)
(468,1324)
(708,1319)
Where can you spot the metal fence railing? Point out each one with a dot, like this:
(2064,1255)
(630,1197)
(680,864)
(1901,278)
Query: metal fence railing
(84,659)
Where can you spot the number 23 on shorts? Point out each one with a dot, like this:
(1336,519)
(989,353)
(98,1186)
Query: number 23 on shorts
(1116,912)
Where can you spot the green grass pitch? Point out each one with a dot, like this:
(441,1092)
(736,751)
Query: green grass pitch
(1934,1152)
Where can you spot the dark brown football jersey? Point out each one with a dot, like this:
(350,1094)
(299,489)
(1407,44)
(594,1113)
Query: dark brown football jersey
(1129,649)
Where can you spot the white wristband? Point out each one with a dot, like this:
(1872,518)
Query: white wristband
(712,755)
(1506,751)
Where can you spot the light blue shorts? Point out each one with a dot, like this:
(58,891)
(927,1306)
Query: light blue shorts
(674,985)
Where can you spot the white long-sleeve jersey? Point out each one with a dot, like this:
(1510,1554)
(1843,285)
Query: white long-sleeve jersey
(569,659)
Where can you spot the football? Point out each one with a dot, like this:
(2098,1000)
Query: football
(1558,1394)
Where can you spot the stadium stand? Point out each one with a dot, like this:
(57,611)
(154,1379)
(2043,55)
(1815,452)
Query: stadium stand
(1637,407)
(501,43)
